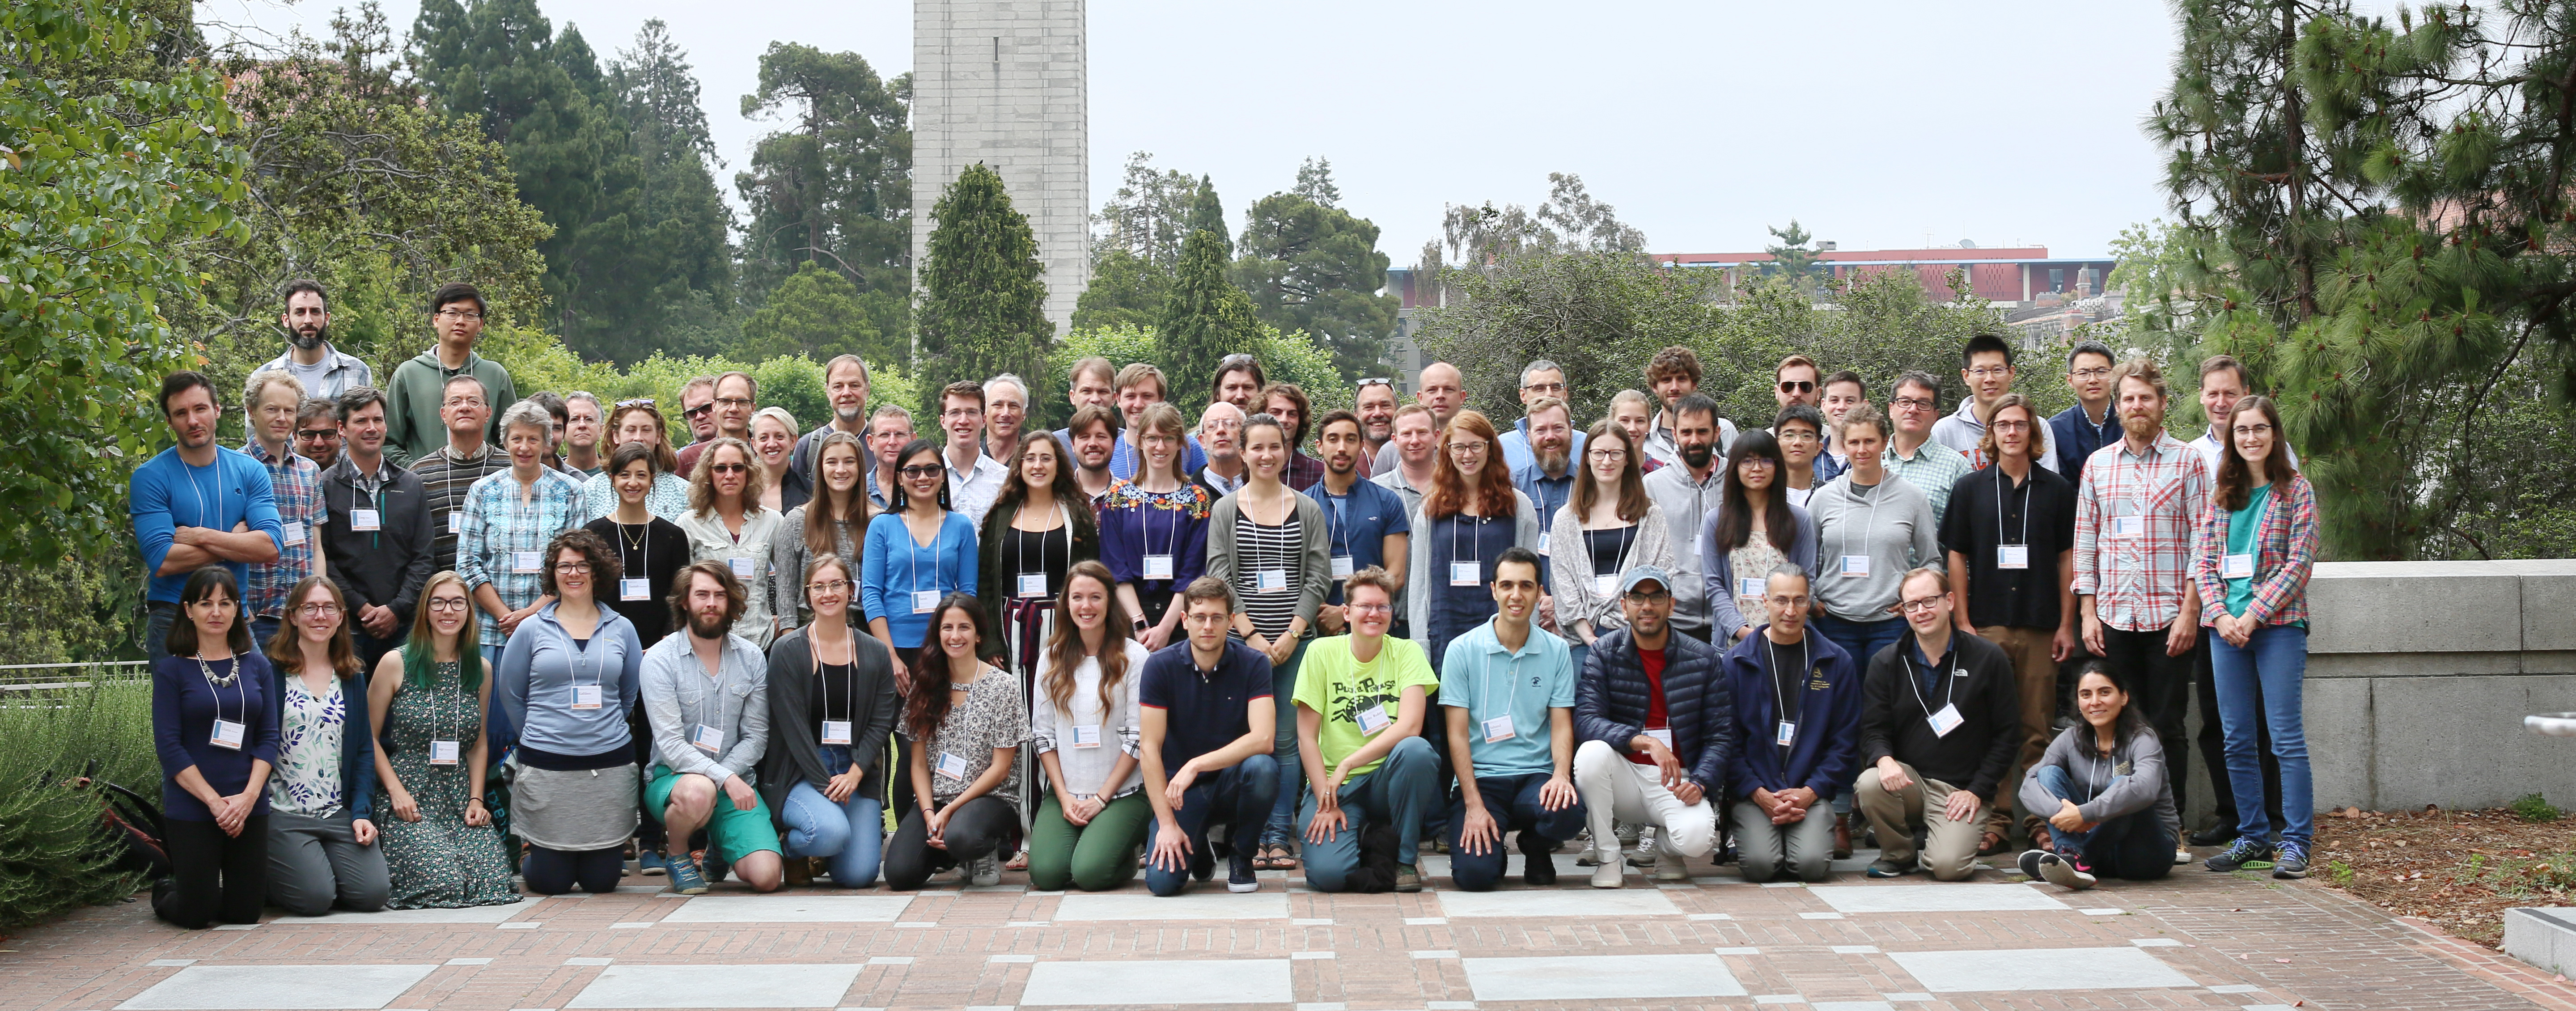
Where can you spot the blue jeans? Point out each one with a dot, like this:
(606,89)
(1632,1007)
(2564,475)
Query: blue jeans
(851,833)
(1514,803)
(262,630)
(1282,826)
(1861,639)
(2275,662)
(1402,791)
(1239,796)
(1578,651)
(156,629)
(2134,846)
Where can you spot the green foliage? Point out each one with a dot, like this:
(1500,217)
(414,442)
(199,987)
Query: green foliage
(55,854)
(1285,358)
(982,303)
(1791,260)
(1154,212)
(103,180)
(1310,265)
(835,187)
(83,607)
(1207,213)
(1126,290)
(817,313)
(537,361)
(1206,319)
(2533,807)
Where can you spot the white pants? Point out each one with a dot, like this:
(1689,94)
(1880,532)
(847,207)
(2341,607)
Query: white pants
(1616,789)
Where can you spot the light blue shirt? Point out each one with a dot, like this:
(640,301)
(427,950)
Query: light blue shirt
(1517,454)
(1480,676)
(893,567)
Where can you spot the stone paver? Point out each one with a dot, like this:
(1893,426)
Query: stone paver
(2197,940)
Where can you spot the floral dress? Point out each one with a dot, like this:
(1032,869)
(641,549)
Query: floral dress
(438,862)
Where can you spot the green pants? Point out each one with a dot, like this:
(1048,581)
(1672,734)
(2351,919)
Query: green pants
(1095,857)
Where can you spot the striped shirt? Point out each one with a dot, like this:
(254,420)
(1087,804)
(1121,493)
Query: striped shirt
(1261,548)
(502,540)
(2134,520)
(296,484)
(444,480)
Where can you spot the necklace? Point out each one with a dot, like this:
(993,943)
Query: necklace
(635,543)
(208,670)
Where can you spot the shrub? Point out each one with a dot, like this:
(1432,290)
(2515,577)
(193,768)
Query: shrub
(2533,807)
(55,854)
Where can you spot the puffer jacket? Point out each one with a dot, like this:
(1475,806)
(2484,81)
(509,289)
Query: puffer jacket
(1611,698)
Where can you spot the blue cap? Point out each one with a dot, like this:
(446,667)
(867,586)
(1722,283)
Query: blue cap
(1645,574)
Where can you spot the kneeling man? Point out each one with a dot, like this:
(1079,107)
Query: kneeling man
(1940,721)
(1360,701)
(1651,709)
(1508,689)
(1796,736)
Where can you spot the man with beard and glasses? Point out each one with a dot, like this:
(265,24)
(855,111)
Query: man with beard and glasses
(1221,434)
(1366,524)
(324,370)
(1687,492)
(1548,479)
(317,430)
(706,695)
(197,504)
(1540,380)
(1375,401)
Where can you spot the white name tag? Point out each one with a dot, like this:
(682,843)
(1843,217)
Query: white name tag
(1948,719)
(1270,580)
(228,734)
(741,567)
(294,532)
(444,752)
(632,588)
(2236,566)
(1855,565)
(1033,584)
(836,731)
(1499,728)
(1086,735)
(925,601)
(525,561)
(2128,526)
(455,523)
(585,696)
(1466,574)
(1158,566)
(2012,556)
(1342,567)
(1373,719)
(952,766)
(1605,586)
(1662,735)
(1785,734)
(366,520)
(1748,587)
(707,739)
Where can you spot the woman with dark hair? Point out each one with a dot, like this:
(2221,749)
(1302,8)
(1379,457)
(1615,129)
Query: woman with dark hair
(726,523)
(832,710)
(568,680)
(428,701)
(2251,558)
(834,522)
(1032,538)
(2102,785)
(1270,545)
(918,552)
(1470,515)
(966,720)
(214,725)
(1086,729)
(1608,526)
(650,551)
(1753,530)
(667,495)
(322,841)
(1153,529)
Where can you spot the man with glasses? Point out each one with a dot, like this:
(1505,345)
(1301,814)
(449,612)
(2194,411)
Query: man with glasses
(1361,700)
(415,400)
(1141,386)
(1652,712)
(1507,692)
(317,430)
(2077,431)
(698,408)
(1540,380)
(1795,736)
(1986,365)
(310,358)
(737,396)
(1206,755)
(1375,406)
(269,404)
(449,473)
(1672,374)
(1940,721)
(1221,435)
(974,480)
(1443,393)
(1686,492)
(1801,431)
(584,425)
(845,386)
(1911,453)
(380,532)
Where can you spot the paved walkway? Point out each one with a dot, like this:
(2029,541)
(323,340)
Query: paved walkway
(2198,940)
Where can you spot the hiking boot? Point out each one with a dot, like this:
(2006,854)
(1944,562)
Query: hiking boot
(2293,862)
(1407,879)
(685,879)
(2068,872)
(2245,850)
(1538,861)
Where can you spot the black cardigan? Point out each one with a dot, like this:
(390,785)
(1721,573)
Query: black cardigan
(1083,539)
(792,757)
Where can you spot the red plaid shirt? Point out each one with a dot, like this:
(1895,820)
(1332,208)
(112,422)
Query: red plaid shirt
(2285,551)
(2139,579)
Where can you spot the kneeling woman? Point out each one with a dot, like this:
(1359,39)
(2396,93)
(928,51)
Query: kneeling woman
(427,702)
(832,710)
(571,673)
(321,836)
(213,726)
(2104,790)
(1085,730)
(966,720)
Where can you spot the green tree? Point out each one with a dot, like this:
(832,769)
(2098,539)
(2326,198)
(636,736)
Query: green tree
(1310,265)
(814,314)
(1153,213)
(1791,260)
(981,300)
(1207,319)
(683,218)
(1207,214)
(1125,290)
(835,186)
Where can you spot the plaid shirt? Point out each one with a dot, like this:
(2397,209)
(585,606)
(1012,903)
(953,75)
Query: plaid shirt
(2138,579)
(297,484)
(1934,469)
(2285,549)
(445,478)
(1303,471)
(499,525)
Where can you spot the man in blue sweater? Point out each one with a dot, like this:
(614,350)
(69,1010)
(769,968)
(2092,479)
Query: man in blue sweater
(1796,736)
(197,504)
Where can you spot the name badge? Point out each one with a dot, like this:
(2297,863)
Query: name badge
(1033,584)
(2128,526)
(741,567)
(1662,735)
(2012,556)
(366,520)
(585,696)
(925,601)
(1158,566)
(1948,719)
(1499,728)
(525,561)
(1373,719)
(1785,734)
(707,739)
(1466,574)
(952,766)
(1748,587)
(1270,580)
(294,532)
(1086,735)
(1855,565)
(1342,567)
(2236,566)
(228,735)
(632,588)
(836,731)
(444,752)
(455,523)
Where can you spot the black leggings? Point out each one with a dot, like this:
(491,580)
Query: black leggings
(980,828)
(214,877)
(649,834)
(555,872)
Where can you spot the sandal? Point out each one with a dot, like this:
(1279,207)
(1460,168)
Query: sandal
(1991,843)
(1019,861)
(1276,857)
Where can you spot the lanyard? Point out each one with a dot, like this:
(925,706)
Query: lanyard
(1948,685)
(373,485)
(2026,482)
(1018,544)
(581,656)
(912,558)
(1780,700)
(215,689)
(1171,544)
(1340,527)
(849,676)
(205,512)
(1868,526)
(699,710)
(1511,676)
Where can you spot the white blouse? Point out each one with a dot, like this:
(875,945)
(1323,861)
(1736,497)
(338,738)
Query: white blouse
(1080,737)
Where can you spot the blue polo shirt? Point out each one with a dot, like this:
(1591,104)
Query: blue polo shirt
(1356,524)
(1206,710)
(166,493)
(1477,674)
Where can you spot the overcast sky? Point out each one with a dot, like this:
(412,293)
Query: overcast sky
(1876,124)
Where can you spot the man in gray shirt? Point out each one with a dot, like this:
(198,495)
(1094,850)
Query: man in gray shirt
(310,358)
(706,695)
(1687,490)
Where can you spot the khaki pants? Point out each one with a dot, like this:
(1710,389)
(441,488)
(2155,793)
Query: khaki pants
(1950,847)
(2036,675)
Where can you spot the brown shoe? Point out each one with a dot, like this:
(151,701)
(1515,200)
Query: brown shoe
(798,871)
(1842,837)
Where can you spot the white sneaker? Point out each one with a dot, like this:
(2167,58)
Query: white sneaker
(988,871)
(1608,873)
(1669,867)
(2182,855)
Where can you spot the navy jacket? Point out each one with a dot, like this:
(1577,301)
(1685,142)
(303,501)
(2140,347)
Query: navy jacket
(2072,438)
(1826,755)
(357,740)
(1610,702)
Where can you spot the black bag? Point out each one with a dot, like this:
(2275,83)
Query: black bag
(1376,872)
(136,824)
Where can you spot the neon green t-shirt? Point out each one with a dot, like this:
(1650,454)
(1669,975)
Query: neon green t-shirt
(1345,691)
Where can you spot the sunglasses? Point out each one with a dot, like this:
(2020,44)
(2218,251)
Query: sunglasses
(316,433)
(637,402)
(691,412)
(1796,386)
(923,470)
(728,468)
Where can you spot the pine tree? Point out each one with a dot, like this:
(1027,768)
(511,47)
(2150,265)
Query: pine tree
(1207,319)
(981,310)
(834,186)
(1312,266)
(1207,214)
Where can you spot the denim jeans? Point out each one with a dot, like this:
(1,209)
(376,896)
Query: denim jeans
(2274,661)
(2133,846)
(1400,792)
(1282,826)
(1861,639)
(156,629)
(1514,804)
(851,834)
(262,630)
(1238,795)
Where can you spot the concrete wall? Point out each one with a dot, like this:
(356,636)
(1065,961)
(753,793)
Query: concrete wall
(2419,675)
(1004,82)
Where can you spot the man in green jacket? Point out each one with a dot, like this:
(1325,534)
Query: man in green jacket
(413,430)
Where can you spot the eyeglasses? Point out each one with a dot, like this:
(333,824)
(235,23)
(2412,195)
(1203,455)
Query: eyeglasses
(2252,429)
(1802,437)
(691,412)
(1556,387)
(316,433)
(1919,605)
(962,412)
(1989,371)
(319,610)
(923,470)
(1468,446)
(733,402)
(637,402)
(2097,372)
(1796,386)
(729,468)
(1370,608)
(1912,403)
(1606,455)
(448,604)
(464,402)
(2009,426)
(459,314)
(1756,461)
(1645,597)
(572,568)
(830,586)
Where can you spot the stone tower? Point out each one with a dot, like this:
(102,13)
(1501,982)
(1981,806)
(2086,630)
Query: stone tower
(1003,82)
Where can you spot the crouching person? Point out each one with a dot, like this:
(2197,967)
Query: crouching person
(1651,709)
(1507,689)
(1940,723)
(1361,699)
(1795,733)
(706,693)
(2104,790)
(1206,709)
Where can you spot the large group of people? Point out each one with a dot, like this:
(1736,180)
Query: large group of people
(430,643)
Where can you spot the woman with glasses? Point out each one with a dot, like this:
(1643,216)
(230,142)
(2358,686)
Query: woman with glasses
(1753,530)
(321,834)
(569,681)
(214,726)
(834,522)
(668,495)
(428,701)
(918,553)
(508,518)
(1471,514)
(1608,526)
(1871,529)
(832,710)
(773,440)
(726,523)
(1033,536)
(967,721)
(1086,729)
(1153,530)
(1270,544)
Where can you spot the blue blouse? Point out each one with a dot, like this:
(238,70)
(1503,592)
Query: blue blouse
(1135,523)
(893,567)
(184,709)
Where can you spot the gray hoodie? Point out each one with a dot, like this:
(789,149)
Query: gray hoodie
(2140,759)
(1890,523)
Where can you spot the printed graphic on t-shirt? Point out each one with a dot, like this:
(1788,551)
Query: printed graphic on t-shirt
(1368,691)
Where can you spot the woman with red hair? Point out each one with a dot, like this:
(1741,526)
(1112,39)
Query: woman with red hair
(1470,515)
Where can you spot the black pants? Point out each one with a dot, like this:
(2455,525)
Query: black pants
(2213,743)
(214,877)
(2160,686)
(2132,847)
(555,872)
(649,834)
(980,828)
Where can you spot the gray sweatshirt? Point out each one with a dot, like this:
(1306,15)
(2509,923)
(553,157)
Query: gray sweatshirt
(1686,504)
(679,696)
(2140,759)
(1889,522)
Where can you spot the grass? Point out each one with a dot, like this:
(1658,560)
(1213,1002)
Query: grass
(55,854)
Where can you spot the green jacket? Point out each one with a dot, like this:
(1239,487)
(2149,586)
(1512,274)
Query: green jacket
(413,395)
